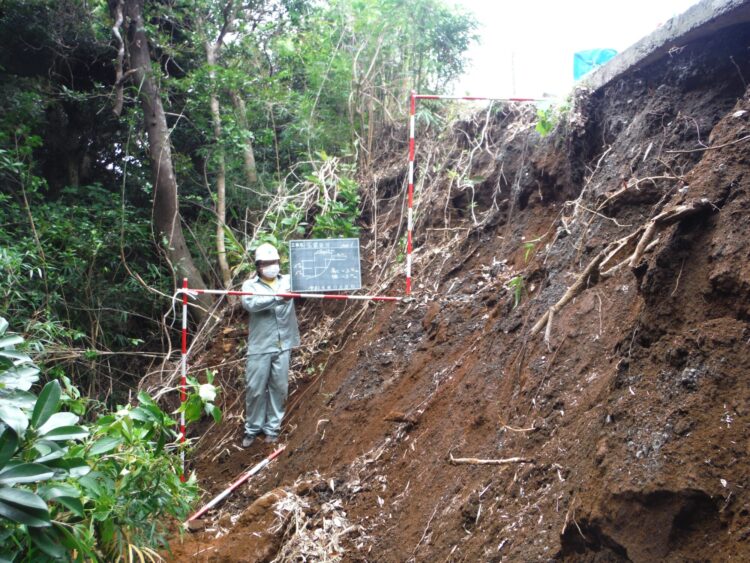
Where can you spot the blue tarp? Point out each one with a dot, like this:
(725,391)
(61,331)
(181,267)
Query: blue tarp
(586,61)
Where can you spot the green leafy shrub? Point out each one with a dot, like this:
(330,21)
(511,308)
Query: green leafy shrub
(550,117)
(517,287)
(339,216)
(73,491)
(546,121)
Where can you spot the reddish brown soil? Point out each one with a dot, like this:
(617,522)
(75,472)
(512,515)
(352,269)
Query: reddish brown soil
(634,418)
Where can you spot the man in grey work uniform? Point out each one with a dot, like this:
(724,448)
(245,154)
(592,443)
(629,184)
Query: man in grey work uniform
(273,333)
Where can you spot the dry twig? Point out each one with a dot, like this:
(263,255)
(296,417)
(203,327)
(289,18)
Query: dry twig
(477,461)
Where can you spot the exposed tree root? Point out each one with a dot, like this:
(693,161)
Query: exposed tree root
(594,270)
(573,290)
(664,219)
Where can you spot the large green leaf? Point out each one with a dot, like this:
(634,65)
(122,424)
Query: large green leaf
(22,515)
(46,404)
(14,418)
(24,498)
(21,377)
(25,473)
(141,414)
(48,451)
(8,445)
(214,411)
(91,483)
(192,408)
(21,399)
(66,495)
(23,507)
(76,466)
(48,542)
(15,357)
(56,421)
(3,325)
(73,504)
(10,341)
(65,433)
(145,399)
(48,492)
(104,445)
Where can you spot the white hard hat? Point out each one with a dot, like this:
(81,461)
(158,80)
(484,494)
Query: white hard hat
(266,252)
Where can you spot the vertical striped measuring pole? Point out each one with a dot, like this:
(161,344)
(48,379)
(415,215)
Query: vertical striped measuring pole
(183,372)
(410,203)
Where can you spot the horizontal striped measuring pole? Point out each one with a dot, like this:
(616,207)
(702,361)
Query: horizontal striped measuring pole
(192,292)
(410,203)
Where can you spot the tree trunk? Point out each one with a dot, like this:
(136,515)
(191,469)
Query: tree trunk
(221,174)
(251,172)
(166,213)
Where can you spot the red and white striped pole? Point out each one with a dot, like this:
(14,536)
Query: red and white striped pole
(226,492)
(290,295)
(183,369)
(410,200)
(473,98)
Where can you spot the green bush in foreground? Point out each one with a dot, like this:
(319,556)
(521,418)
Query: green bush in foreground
(73,491)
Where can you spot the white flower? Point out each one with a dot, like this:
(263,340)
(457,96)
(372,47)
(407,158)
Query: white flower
(207,392)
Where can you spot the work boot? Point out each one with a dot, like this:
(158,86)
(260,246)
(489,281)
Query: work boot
(271,439)
(247,441)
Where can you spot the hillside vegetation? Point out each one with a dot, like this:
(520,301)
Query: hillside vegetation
(579,323)
(567,380)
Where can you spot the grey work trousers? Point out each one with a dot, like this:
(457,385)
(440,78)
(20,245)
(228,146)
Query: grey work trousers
(266,388)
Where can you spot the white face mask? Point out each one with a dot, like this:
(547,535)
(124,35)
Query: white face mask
(270,272)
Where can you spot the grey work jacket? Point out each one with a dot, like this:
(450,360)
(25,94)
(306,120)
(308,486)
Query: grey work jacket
(273,323)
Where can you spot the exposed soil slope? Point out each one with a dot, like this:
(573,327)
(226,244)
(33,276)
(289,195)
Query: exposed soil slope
(632,419)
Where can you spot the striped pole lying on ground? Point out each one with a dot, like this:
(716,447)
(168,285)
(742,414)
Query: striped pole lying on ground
(289,295)
(410,198)
(226,492)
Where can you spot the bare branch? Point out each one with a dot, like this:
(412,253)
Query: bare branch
(477,461)
(119,77)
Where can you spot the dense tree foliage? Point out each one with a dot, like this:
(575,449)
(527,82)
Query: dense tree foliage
(257,95)
(145,140)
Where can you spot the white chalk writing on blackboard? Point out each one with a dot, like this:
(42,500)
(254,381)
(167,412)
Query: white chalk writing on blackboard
(325,265)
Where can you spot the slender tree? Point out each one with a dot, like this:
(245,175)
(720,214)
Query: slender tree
(213,50)
(251,171)
(166,212)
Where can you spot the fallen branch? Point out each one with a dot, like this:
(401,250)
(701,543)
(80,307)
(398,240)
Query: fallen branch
(397,416)
(514,429)
(477,461)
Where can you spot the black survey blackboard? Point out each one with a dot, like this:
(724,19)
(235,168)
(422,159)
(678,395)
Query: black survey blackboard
(325,265)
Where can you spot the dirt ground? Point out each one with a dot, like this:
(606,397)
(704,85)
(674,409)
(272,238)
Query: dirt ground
(628,423)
